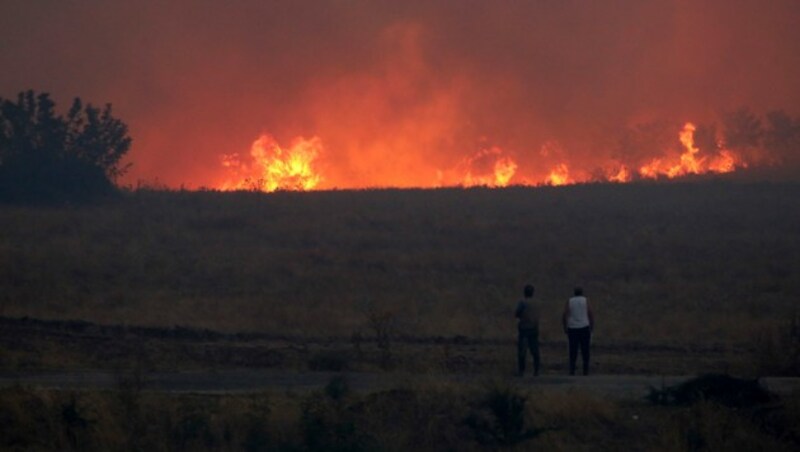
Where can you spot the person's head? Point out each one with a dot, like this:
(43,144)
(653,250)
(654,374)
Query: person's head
(528,291)
(578,291)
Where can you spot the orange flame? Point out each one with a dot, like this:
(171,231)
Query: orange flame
(504,170)
(621,175)
(498,174)
(689,161)
(275,168)
(725,162)
(559,175)
(271,167)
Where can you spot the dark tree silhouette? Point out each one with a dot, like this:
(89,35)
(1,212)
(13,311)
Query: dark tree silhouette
(638,142)
(45,157)
(705,138)
(782,136)
(743,129)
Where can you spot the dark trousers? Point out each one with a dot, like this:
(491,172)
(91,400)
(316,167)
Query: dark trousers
(579,337)
(528,340)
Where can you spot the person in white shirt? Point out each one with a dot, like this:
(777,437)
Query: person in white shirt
(578,322)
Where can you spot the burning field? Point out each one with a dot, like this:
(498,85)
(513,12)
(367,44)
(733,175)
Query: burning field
(370,94)
(269,167)
(365,186)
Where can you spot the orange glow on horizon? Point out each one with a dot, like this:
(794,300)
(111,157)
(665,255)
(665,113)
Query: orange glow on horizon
(271,167)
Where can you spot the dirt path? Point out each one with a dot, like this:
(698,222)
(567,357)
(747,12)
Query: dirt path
(244,381)
(27,343)
(261,362)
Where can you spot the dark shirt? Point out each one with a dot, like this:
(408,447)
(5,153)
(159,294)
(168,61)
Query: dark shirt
(528,314)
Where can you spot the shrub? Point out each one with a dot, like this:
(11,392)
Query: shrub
(327,424)
(719,388)
(777,350)
(499,418)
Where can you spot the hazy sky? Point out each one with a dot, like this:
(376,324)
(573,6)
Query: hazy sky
(399,92)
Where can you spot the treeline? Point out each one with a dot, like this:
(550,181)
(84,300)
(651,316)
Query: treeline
(46,157)
(769,139)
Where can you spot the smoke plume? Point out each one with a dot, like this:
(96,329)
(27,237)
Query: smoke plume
(421,93)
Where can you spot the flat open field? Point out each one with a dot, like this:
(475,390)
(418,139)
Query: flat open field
(683,277)
(383,320)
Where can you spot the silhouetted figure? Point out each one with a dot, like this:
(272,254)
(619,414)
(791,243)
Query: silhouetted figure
(528,327)
(578,324)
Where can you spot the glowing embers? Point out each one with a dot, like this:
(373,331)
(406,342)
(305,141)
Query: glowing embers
(690,161)
(273,167)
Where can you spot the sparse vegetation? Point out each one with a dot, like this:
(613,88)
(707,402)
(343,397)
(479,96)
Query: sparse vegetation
(430,417)
(499,418)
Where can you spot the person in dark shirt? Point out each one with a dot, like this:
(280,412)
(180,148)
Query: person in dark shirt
(527,313)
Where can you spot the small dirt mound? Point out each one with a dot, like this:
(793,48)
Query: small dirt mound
(719,388)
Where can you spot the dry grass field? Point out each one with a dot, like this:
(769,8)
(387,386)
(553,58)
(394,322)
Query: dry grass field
(684,279)
(696,276)
(690,263)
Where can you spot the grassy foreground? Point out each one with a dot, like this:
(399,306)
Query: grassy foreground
(427,417)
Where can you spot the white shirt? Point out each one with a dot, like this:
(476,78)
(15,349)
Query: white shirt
(578,313)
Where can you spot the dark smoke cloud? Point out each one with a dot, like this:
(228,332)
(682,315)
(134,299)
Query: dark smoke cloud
(407,86)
